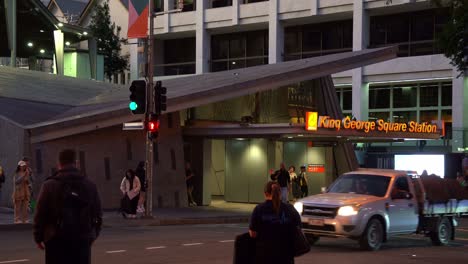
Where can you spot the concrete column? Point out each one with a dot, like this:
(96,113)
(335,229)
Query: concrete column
(459,112)
(275,34)
(59,42)
(313,7)
(207,165)
(92,49)
(133,61)
(11,29)
(168,5)
(360,42)
(235,11)
(202,39)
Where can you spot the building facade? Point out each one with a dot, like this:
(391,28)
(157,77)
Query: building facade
(420,85)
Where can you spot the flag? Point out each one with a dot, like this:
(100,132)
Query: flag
(137,18)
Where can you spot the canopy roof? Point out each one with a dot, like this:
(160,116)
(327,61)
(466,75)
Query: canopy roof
(36,25)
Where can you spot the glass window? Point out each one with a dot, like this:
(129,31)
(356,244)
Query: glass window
(220,3)
(428,116)
(312,40)
(292,41)
(422,26)
(429,95)
(446,94)
(255,44)
(189,5)
(379,98)
(398,28)
(404,116)
(405,96)
(237,47)
(447,115)
(402,184)
(379,115)
(179,50)
(347,100)
(219,66)
(219,47)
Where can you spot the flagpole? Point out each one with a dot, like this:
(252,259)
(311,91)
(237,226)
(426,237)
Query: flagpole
(149,111)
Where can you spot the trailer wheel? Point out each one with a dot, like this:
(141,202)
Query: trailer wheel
(312,239)
(373,236)
(442,233)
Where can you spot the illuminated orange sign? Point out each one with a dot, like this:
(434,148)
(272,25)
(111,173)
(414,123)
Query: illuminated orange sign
(311,121)
(314,121)
(316,168)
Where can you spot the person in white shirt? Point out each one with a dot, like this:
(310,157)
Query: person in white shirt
(130,187)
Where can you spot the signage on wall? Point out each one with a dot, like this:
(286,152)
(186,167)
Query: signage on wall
(314,121)
(316,168)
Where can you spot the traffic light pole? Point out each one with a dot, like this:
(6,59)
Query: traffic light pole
(149,110)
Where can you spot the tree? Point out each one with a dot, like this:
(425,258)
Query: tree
(108,40)
(453,40)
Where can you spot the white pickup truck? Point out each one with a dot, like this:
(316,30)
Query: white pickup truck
(370,205)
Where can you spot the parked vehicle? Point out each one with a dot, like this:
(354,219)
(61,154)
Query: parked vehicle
(371,205)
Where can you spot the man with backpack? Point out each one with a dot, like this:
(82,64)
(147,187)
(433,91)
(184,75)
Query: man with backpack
(68,216)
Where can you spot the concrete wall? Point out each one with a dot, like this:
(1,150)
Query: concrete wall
(122,150)
(12,142)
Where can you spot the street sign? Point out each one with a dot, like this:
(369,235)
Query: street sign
(133,126)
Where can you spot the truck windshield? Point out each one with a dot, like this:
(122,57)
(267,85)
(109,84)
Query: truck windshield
(361,184)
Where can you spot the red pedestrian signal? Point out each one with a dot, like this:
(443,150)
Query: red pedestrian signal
(152,126)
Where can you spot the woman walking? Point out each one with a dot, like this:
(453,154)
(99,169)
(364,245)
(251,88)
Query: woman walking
(130,187)
(273,224)
(21,193)
(303,182)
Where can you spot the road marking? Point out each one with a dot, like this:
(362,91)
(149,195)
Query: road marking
(116,251)
(226,241)
(149,248)
(192,244)
(15,261)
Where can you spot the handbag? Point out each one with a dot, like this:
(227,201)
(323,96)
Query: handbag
(244,249)
(301,245)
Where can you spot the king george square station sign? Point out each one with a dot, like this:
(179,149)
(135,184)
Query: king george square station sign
(314,122)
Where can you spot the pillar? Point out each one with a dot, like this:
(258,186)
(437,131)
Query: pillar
(11,29)
(360,42)
(202,39)
(459,111)
(59,41)
(92,49)
(275,34)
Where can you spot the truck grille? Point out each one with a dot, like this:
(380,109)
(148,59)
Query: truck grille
(328,228)
(319,211)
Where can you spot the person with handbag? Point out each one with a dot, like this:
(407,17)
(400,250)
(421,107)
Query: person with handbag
(130,187)
(274,224)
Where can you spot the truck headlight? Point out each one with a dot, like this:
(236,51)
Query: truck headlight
(348,210)
(299,207)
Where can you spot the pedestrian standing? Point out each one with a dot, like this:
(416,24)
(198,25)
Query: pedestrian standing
(130,187)
(303,182)
(141,174)
(272,224)
(282,177)
(296,188)
(21,193)
(189,177)
(68,216)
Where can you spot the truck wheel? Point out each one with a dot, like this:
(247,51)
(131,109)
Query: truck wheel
(441,236)
(373,236)
(312,239)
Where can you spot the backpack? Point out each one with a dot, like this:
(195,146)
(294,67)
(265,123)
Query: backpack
(75,217)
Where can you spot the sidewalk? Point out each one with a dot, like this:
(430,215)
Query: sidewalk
(219,212)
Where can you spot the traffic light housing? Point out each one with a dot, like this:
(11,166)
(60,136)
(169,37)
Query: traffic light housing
(160,98)
(138,97)
(152,126)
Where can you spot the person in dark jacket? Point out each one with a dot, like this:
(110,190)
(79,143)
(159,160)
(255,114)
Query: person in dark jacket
(141,174)
(272,225)
(61,248)
(284,180)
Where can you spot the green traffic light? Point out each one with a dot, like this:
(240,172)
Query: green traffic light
(133,106)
